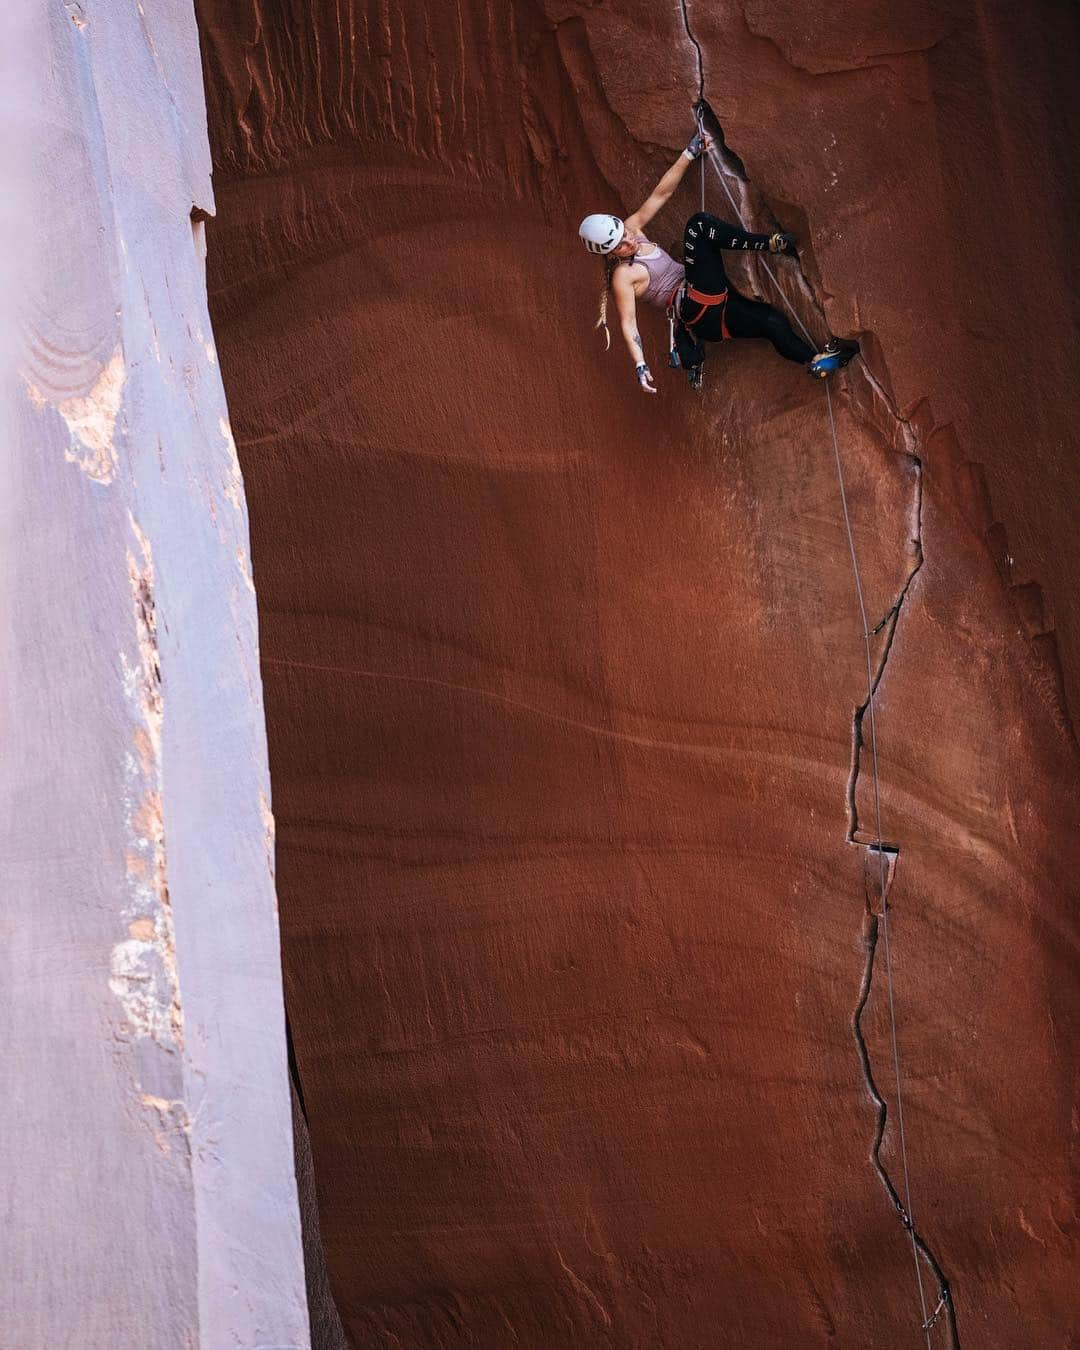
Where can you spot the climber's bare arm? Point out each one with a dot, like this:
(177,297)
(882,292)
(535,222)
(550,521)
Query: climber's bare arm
(660,195)
(626,303)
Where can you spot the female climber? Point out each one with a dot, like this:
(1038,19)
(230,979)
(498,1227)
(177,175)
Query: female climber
(702,304)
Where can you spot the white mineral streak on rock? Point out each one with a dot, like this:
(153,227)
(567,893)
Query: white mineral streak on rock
(138,982)
(173,1122)
(269,829)
(245,569)
(143,973)
(141,582)
(37,399)
(92,422)
(234,486)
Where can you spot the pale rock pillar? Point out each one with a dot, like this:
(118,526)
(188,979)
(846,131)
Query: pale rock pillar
(145,1134)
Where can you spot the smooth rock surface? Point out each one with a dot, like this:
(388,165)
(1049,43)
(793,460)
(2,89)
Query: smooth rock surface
(145,1137)
(563,683)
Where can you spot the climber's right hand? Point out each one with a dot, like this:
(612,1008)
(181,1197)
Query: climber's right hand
(783,243)
(644,378)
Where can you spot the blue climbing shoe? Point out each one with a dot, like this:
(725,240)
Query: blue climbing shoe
(836,353)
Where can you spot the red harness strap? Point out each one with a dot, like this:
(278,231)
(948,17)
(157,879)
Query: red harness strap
(706,302)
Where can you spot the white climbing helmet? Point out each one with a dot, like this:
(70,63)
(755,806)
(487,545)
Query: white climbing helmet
(601,233)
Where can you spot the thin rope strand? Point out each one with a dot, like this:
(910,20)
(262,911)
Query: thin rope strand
(881,859)
(909,1214)
(764,261)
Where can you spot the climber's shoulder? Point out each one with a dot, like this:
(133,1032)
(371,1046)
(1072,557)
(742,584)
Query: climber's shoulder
(629,276)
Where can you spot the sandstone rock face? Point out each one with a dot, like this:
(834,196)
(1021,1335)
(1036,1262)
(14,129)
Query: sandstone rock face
(565,686)
(145,1119)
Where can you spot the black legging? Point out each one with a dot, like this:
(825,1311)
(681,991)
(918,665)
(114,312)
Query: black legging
(703,239)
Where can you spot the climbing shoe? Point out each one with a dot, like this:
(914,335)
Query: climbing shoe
(836,353)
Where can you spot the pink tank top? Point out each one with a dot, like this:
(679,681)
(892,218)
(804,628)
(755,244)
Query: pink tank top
(664,275)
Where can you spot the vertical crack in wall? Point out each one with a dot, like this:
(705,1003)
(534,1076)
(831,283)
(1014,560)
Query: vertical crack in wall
(871,922)
(888,625)
(697,49)
(294,1069)
(748,204)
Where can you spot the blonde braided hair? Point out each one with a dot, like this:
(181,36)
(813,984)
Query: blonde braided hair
(610,265)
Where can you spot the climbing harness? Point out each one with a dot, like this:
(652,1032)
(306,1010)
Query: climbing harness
(687,292)
(944,1300)
(677,319)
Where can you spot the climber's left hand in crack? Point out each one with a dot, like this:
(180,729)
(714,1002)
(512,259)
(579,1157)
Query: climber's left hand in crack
(661,194)
(700,143)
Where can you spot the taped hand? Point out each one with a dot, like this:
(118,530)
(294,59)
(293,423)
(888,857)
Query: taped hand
(783,243)
(644,378)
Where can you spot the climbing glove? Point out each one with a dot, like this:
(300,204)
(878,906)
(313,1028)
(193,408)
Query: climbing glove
(644,377)
(782,243)
(699,143)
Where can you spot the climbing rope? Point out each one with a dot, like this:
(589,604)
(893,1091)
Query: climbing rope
(928,1320)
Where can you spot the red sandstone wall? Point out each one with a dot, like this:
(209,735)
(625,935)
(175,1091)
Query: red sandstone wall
(561,680)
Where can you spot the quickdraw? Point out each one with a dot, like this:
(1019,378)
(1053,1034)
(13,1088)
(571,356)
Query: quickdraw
(943,1303)
(672,321)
